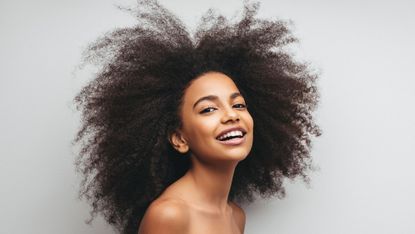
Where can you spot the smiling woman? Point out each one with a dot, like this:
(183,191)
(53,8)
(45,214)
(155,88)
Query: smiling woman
(168,137)
(218,131)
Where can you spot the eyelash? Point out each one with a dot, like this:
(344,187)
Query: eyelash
(241,106)
(210,109)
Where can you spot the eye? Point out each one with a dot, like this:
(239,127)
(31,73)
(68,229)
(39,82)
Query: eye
(239,106)
(207,110)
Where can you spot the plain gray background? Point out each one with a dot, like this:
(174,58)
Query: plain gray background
(366,55)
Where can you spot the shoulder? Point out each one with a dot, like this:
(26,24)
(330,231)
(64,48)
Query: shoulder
(165,216)
(239,215)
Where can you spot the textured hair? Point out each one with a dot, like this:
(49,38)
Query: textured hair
(132,105)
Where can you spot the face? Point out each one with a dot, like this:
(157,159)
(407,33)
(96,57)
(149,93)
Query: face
(216,124)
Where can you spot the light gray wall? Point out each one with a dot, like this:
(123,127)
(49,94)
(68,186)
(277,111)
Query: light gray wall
(364,50)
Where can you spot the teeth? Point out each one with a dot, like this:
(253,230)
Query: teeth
(231,134)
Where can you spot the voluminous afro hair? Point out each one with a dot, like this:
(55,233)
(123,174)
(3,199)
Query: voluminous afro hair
(132,105)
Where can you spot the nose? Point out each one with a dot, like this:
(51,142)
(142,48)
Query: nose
(230,115)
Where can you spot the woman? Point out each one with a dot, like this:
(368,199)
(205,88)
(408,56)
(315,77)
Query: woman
(168,143)
(218,131)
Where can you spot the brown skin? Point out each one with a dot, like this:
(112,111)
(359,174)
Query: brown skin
(198,202)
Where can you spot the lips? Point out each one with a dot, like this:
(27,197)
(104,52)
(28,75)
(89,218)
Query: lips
(231,134)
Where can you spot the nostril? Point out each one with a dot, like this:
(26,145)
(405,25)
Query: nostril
(230,115)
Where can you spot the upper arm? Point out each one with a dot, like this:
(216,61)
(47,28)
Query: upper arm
(165,218)
(239,215)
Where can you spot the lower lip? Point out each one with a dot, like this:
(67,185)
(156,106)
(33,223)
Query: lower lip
(234,141)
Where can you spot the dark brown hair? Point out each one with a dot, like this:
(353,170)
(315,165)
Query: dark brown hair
(131,106)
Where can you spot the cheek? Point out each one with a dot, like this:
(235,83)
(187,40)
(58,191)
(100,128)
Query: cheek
(201,136)
(208,126)
(249,121)
(201,130)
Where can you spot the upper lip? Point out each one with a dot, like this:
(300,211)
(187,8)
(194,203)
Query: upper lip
(230,130)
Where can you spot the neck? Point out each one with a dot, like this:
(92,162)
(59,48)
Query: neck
(211,183)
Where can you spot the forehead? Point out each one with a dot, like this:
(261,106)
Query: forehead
(212,83)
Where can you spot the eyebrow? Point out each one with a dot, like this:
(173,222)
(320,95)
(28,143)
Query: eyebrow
(214,97)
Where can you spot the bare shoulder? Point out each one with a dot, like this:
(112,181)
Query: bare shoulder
(165,216)
(239,215)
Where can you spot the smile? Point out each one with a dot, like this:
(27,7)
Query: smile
(233,141)
(234,136)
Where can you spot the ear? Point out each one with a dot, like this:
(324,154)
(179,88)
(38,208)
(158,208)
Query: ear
(178,142)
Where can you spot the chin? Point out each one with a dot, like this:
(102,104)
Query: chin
(235,154)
